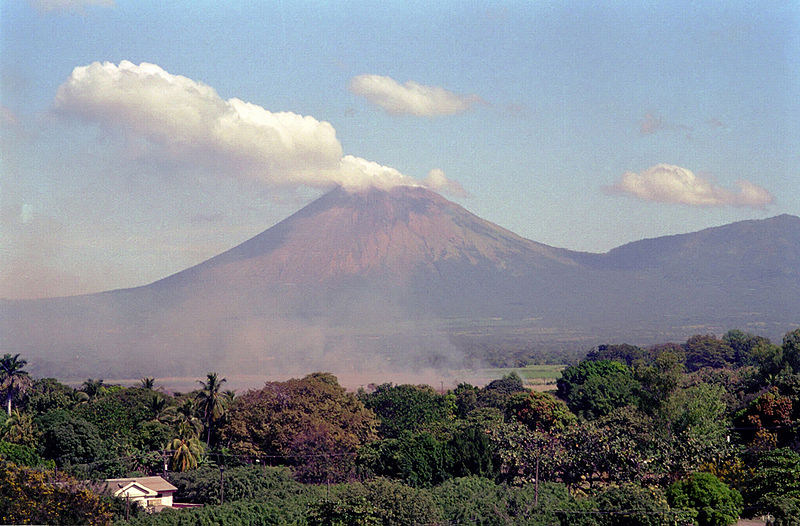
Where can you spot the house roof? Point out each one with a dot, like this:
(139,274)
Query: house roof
(157,484)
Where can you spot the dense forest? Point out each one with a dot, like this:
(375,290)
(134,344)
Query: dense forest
(702,432)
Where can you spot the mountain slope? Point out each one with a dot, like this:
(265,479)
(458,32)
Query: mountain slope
(374,233)
(405,278)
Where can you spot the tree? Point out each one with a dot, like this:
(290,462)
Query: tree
(498,393)
(157,404)
(291,419)
(695,418)
(407,408)
(211,402)
(659,378)
(623,353)
(352,511)
(47,394)
(707,351)
(186,449)
(93,388)
(472,500)
(523,452)
(713,503)
(593,389)
(632,447)
(744,344)
(540,411)
(13,378)
(472,453)
(774,486)
(185,413)
(118,415)
(69,440)
(20,455)
(767,422)
(418,459)
(390,502)
(147,382)
(791,350)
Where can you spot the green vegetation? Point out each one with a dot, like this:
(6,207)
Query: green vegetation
(700,432)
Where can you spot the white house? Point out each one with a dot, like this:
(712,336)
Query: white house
(148,492)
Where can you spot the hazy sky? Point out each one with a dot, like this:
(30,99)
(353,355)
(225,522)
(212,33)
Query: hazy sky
(139,138)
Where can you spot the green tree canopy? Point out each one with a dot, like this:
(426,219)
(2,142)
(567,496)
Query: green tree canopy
(595,388)
(46,394)
(713,503)
(408,408)
(791,350)
(623,353)
(659,377)
(69,440)
(696,418)
(774,486)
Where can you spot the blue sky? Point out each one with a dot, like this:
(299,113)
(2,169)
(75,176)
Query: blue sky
(139,138)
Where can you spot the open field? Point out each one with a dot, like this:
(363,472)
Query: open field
(539,377)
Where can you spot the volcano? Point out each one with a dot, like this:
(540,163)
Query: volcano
(404,278)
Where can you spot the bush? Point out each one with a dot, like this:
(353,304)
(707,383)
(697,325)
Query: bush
(472,500)
(390,503)
(241,513)
(635,506)
(521,503)
(29,496)
(20,455)
(714,503)
(202,486)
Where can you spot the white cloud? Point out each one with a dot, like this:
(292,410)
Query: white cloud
(187,121)
(437,180)
(668,183)
(68,5)
(410,98)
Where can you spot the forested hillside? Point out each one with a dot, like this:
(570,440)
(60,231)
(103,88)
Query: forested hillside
(699,432)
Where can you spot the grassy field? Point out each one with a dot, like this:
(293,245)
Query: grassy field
(534,375)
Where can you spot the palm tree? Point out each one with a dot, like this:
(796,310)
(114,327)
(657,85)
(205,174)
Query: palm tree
(13,379)
(211,402)
(148,382)
(185,414)
(157,405)
(93,388)
(186,449)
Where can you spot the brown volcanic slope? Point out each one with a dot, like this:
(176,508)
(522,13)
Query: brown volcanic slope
(385,279)
(346,254)
(373,234)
